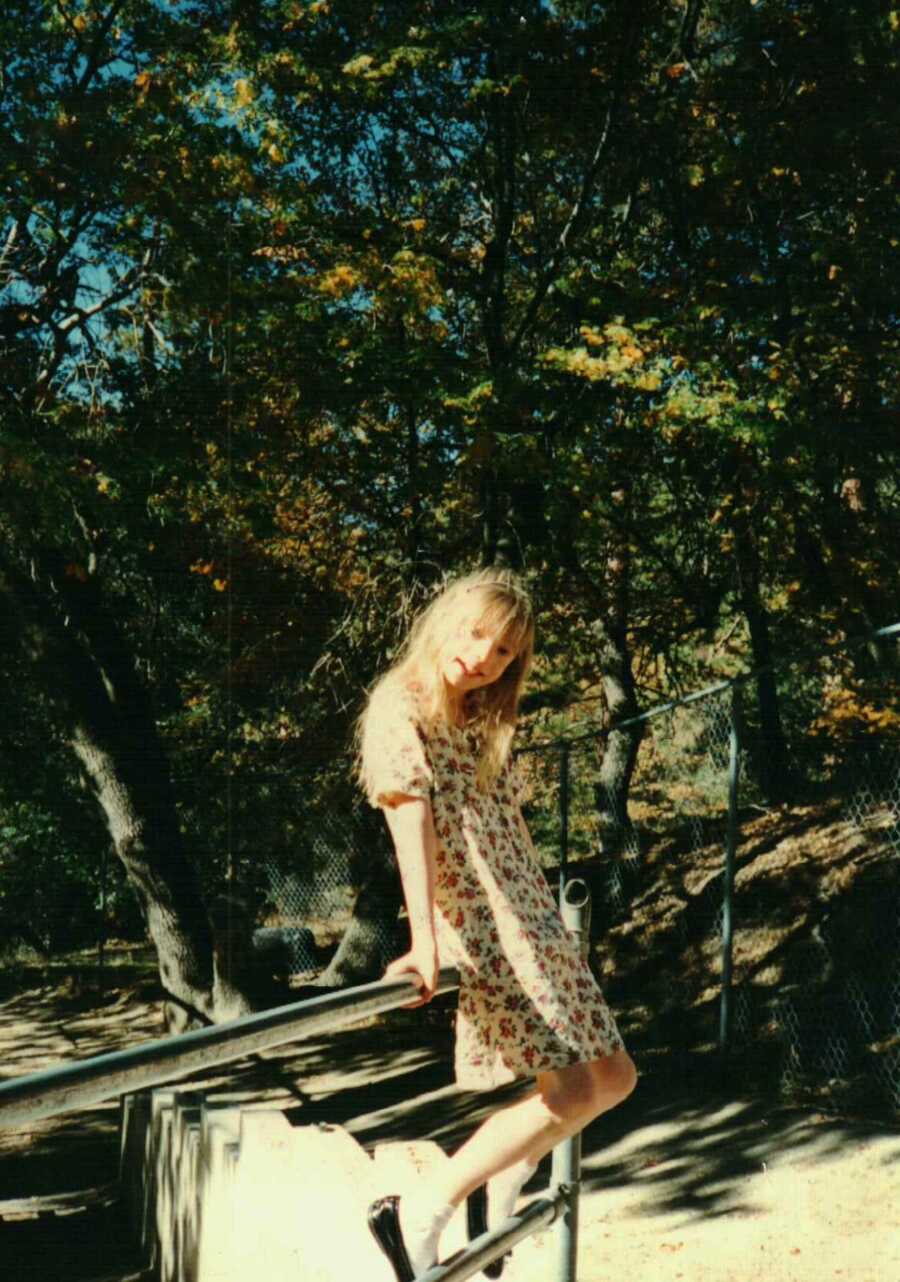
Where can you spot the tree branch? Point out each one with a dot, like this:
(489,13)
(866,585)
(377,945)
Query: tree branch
(92,64)
(575,220)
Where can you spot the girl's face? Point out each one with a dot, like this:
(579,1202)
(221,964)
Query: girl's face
(474,654)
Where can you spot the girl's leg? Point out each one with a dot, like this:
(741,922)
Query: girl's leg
(564,1101)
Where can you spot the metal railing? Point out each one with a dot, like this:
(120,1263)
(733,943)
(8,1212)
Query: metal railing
(72,1086)
(487,1248)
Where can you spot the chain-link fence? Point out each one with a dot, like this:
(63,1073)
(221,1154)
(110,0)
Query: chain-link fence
(309,903)
(764,932)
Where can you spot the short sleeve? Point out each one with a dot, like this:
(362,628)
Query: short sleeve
(395,751)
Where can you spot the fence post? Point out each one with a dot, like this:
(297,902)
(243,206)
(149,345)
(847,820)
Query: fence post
(563,820)
(731,838)
(575,909)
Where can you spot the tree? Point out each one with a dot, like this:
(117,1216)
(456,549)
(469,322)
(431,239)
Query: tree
(95,216)
(305,304)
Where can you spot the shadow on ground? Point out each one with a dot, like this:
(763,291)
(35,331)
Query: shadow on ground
(695,1151)
(89,1245)
(690,1145)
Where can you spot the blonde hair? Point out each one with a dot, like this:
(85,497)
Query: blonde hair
(495,598)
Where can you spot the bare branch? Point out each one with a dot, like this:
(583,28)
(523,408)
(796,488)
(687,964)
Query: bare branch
(575,221)
(80,316)
(687,37)
(92,64)
(11,239)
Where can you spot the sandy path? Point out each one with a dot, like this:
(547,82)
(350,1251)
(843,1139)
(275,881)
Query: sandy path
(813,1200)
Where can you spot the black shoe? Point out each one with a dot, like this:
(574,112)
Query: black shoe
(476,1223)
(384,1221)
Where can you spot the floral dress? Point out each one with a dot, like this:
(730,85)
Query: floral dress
(527,1000)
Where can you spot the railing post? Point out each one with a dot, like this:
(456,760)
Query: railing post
(731,837)
(563,819)
(575,908)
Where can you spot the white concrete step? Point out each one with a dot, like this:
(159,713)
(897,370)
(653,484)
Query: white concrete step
(220,1194)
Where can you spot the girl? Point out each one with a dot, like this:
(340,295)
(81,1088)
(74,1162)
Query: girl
(434,755)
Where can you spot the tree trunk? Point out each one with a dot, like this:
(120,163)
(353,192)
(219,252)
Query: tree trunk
(373,936)
(610,627)
(614,662)
(772,756)
(847,525)
(89,674)
(622,746)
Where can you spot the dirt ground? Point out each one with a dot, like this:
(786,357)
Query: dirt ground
(676,1185)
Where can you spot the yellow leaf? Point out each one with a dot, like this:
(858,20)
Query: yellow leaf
(243,93)
(220,584)
(339,281)
(833,272)
(358,66)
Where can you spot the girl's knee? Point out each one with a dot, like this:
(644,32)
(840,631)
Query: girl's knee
(566,1093)
(576,1095)
(616,1077)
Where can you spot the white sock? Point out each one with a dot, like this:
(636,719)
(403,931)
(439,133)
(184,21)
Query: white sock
(422,1223)
(504,1190)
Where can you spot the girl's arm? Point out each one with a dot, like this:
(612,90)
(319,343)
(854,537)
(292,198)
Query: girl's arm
(411,825)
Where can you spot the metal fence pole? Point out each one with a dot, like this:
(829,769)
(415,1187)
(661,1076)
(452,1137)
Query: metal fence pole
(575,909)
(731,838)
(563,819)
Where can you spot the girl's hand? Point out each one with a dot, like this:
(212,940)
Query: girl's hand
(421,963)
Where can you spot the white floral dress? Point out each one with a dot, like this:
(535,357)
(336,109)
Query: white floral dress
(527,1000)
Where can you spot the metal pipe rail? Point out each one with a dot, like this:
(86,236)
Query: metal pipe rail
(71,1086)
(483,1250)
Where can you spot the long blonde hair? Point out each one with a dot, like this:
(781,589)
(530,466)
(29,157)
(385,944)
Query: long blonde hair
(496,599)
